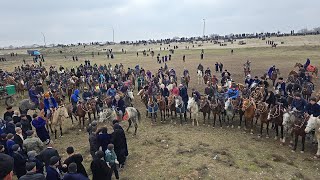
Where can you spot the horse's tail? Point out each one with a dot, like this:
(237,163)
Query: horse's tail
(139,115)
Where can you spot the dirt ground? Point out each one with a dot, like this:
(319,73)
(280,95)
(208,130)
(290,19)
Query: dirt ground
(168,151)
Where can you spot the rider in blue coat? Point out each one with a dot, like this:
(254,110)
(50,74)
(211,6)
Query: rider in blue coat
(86,94)
(112,91)
(184,94)
(49,104)
(298,103)
(74,100)
(271,69)
(307,63)
(248,81)
(233,93)
(34,96)
(313,108)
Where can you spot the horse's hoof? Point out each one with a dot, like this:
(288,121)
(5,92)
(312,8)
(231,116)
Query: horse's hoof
(208,125)
(275,138)
(227,126)
(267,137)
(301,152)
(212,127)
(259,136)
(80,130)
(239,127)
(316,156)
(251,133)
(232,126)
(293,151)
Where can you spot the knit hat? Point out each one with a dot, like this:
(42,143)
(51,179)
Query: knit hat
(30,166)
(29,132)
(99,154)
(54,160)
(47,94)
(15,147)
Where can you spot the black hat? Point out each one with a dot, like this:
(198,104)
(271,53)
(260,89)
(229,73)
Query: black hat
(70,150)
(313,99)
(72,168)
(6,165)
(94,123)
(30,166)
(99,154)
(29,132)
(54,160)
(9,107)
(15,147)
(280,78)
(3,136)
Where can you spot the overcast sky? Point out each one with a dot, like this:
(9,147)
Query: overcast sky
(67,21)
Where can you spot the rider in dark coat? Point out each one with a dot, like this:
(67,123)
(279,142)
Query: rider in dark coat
(313,108)
(184,94)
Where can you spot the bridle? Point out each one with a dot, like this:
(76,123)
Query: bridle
(277,112)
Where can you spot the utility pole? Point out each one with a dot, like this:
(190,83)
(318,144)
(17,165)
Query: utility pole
(204,27)
(112,34)
(44,39)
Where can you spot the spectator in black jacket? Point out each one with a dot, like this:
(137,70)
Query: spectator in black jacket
(6,166)
(18,137)
(8,113)
(16,117)
(120,144)
(47,153)
(93,141)
(74,158)
(19,161)
(99,167)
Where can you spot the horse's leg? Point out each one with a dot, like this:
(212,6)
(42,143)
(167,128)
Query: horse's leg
(185,116)
(135,127)
(251,126)
(296,137)
(281,127)
(277,132)
(61,130)
(180,118)
(204,118)
(267,130)
(89,116)
(214,120)
(55,132)
(303,142)
(83,121)
(161,115)
(220,120)
(209,118)
(261,127)
(130,122)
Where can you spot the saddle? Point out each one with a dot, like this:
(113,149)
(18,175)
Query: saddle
(311,68)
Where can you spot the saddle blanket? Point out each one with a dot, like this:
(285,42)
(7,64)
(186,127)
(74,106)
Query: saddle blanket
(311,68)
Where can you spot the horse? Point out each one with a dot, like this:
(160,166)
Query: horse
(314,70)
(21,88)
(276,116)
(216,108)
(187,80)
(288,121)
(205,108)
(194,110)
(262,112)
(25,105)
(299,130)
(92,104)
(249,107)
(307,90)
(57,118)
(152,109)
(171,106)
(230,111)
(131,114)
(180,108)
(206,78)
(162,107)
(293,73)
(82,110)
(200,76)
(314,123)
(274,76)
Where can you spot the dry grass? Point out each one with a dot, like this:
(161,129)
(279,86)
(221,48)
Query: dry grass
(166,151)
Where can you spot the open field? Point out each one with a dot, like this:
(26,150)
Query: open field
(168,151)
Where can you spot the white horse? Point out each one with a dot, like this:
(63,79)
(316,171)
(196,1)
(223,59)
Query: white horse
(287,122)
(170,87)
(194,110)
(200,77)
(57,119)
(314,123)
(131,114)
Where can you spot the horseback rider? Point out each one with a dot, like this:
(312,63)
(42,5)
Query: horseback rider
(225,74)
(281,100)
(102,78)
(119,105)
(256,80)
(208,72)
(164,92)
(312,108)
(200,67)
(233,93)
(298,104)
(53,86)
(306,64)
(33,95)
(308,79)
(86,95)
(281,87)
(140,81)
(248,81)
(209,91)
(271,70)
(74,100)
(184,94)
(50,104)
(185,72)
(196,95)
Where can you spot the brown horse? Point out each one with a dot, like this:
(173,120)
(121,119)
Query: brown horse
(262,112)
(314,70)
(187,80)
(162,107)
(293,73)
(205,108)
(20,88)
(276,116)
(171,106)
(152,109)
(92,103)
(82,110)
(299,130)
(216,107)
(249,107)
(206,78)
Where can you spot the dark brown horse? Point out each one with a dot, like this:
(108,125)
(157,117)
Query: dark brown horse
(82,110)
(162,107)
(216,107)
(299,127)
(152,109)
(92,103)
(171,106)
(262,112)
(276,116)
(205,108)
(307,90)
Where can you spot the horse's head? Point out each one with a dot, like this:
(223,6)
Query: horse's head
(62,110)
(227,104)
(312,123)
(130,95)
(178,101)
(191,102)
